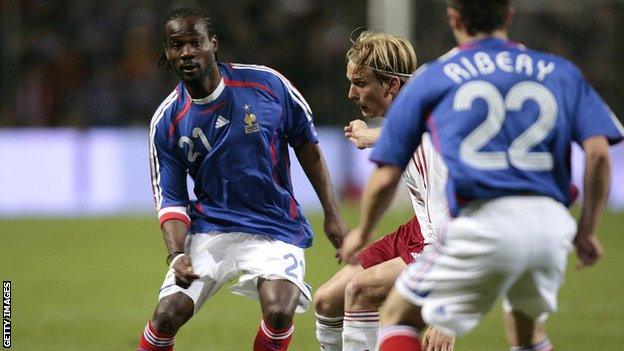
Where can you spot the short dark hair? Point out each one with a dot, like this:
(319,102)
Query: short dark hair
(185,12)
(482,16)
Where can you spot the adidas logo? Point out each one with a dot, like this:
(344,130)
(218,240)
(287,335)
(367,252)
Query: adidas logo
(221,121)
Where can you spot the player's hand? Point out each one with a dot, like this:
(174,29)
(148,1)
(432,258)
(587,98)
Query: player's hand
(356,133)
(336,230)
(588,249)
(435,340)
(353,243)
(183,270)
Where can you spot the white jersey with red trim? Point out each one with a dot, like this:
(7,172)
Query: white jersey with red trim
(425,177)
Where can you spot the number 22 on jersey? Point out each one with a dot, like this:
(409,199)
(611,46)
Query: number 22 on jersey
(518,153)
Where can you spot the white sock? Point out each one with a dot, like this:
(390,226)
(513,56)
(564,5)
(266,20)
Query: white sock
(329,332)
(544,345)
(361,330)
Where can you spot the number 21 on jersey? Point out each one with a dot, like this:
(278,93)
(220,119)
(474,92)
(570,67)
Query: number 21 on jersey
(198,134)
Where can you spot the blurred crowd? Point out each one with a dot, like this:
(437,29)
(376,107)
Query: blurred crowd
(587,32)
(94,63)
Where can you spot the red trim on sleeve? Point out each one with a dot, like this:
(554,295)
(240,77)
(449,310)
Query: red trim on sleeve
(174,215)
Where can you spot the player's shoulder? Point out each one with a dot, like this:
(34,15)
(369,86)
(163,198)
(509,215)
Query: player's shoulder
(269,80)
(171,105)
(565,66)
(257,73)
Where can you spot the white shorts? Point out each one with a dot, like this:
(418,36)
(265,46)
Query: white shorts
(513,246)
(219,257)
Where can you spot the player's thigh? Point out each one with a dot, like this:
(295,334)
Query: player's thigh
(375,283)
(329,297)
(265,258)
(457,281)
(214,268)
(534,293)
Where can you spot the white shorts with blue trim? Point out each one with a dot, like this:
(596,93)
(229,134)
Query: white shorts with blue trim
(220,257)
(515,247)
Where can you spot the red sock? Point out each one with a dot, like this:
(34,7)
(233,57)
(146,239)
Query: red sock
(269,339)
(152,340)
(399,338)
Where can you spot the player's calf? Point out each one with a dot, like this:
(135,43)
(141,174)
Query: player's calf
(329,332)
(170,314)
(329,306)
(361,320)
(363,296)
(401,322)
(278,299)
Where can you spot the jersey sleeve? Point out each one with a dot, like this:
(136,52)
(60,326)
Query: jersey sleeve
(168,175)
(299,125)
(593,116)
(404,126)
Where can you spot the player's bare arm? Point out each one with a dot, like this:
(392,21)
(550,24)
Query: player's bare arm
(360,135)
(174,234)
(596,181)
(313,163)
(375,201)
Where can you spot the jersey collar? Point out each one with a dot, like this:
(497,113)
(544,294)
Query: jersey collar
(213,96)
(488,42)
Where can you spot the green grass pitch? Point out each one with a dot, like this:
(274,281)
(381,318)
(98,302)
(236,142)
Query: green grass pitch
(91,284)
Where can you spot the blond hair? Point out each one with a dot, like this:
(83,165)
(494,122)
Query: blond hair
(386,55)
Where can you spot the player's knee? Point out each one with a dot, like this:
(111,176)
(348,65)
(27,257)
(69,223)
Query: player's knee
(359,294)
(278,317)
(325,301)
(171,313)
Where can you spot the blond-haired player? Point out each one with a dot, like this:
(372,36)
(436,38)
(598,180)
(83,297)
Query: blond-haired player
(378,65)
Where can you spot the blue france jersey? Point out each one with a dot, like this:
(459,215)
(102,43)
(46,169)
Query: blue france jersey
(234,145)
(502,117)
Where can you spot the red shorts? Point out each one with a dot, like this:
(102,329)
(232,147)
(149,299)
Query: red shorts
(405,241)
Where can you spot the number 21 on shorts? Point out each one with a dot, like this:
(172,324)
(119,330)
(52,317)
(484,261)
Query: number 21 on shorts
(293,264)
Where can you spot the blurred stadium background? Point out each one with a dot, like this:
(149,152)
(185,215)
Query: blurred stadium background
(78,86)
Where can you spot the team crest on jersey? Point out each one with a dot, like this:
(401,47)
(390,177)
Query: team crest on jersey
(251,123)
